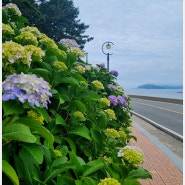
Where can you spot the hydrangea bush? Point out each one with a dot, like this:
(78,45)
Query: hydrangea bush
(64,121)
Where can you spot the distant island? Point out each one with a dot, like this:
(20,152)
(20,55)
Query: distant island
(152,86)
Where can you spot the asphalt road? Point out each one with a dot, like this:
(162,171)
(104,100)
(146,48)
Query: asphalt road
(169,115)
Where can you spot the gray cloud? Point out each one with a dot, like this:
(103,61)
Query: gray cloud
(147,37)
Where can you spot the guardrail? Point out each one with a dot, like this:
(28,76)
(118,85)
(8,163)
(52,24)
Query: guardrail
(169,100)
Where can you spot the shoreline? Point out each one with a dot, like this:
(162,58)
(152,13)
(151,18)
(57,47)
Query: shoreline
(169,100)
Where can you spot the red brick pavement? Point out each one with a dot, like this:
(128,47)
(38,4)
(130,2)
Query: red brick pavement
(163,170)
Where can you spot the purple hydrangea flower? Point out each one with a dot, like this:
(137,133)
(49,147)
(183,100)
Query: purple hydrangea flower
(125,96)
(26,88)
(102,65)
(113,72)
(70,43)
(112,87)
(97,68)
(121,101)
(113,100)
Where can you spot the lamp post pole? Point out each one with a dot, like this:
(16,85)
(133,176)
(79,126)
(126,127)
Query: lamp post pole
(108,46)
(86,56)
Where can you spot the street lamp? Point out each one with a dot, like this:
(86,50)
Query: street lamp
(108,46)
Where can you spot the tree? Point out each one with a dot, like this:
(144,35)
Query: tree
(29,9)
(58,19)
(62,21)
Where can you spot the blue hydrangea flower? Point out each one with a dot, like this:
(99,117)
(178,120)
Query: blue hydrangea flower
(26,88)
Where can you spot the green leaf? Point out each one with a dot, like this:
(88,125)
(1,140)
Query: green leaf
(102,120)
(65,179)
(19,19)
(47,154)
(44,113)
(12,107)
(94,167)
(89,181)
(78,105)
(60,120)
(59,161)
(40,72)
(78,182)
(18,132)
(81,131)
(50,59)
(112,173)
(131,182)
(71,143)
(28,166)
(71,59)
(5,17)
(91,95)
(69,80)
(35,125)
(10,172)
(19,166)
(52,174)
(139,173)
(77,161)
(79,77)
(35,151)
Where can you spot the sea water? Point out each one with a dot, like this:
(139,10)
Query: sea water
(162,93)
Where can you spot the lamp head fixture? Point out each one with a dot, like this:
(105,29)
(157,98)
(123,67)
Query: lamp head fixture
(108,46)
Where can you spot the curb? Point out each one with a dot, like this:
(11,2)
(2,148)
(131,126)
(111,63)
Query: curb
(166,130)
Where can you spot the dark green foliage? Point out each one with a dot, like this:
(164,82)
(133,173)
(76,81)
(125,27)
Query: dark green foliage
(58,19)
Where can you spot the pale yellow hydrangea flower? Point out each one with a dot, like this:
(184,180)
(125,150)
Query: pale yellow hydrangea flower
(77,52)
(109,181)
(47,42)
(62,53)
(36,52)
(130,128)
(122,134)
(35,116)
(60,65)
(33,30)
(132,155)
(78,115)
(108,159)
(27,38)
(87,67)
(6,29)
(112,133)
(13,7)
(110,114)
(83,83)
(80,68)
(98,84)
(105,101)
(15,53)
(58,153)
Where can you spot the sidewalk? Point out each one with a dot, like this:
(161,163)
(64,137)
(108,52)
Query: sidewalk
(163,170)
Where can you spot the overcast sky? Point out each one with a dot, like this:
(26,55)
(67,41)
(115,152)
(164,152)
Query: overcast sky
(147,37)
